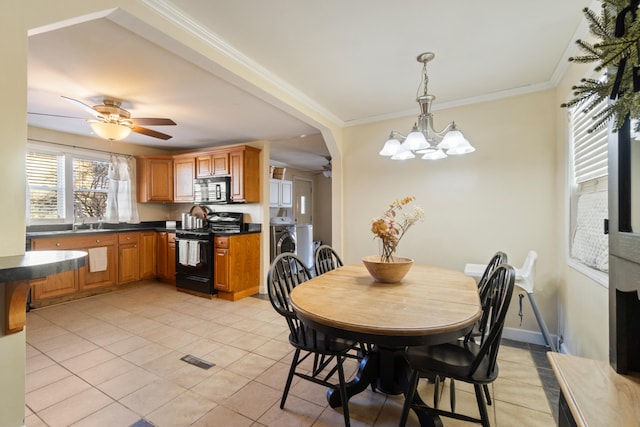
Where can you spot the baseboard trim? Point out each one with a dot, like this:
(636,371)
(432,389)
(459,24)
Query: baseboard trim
(524,335)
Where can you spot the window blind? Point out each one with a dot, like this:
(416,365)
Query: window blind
(589,149)
(45,177)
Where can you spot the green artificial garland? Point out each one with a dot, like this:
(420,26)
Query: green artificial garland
(617,52)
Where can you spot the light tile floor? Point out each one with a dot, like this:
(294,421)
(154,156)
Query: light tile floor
(114,360)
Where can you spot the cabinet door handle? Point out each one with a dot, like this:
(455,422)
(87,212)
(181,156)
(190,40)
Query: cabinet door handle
(58,244)
(97,240)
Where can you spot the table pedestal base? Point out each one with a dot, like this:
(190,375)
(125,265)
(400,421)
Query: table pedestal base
(386,370)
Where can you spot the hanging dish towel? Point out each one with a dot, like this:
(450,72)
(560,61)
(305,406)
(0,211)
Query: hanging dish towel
(183,251)
(194,253)
(97,259)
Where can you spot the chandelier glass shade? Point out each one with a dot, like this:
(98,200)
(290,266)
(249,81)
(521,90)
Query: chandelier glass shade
(110,131)
(423,138)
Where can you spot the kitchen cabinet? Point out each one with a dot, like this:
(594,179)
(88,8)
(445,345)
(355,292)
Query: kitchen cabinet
(221,264)
(56,285)
(161,255)
(184,172)
(85,281)
(170,179)
(280,193)
(128,257)
(171,257)
(212,164)
(147,252)
(244,166)
(166,256)
(154,178)
(220,163)
(236,267)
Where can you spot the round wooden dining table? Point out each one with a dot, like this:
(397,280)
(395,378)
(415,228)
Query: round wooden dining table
(431,305)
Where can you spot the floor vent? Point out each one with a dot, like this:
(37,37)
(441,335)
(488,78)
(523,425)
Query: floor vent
(142,423)
(196,361)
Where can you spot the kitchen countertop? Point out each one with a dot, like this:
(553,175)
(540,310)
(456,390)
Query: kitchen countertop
(250,228)
(63,230)
(32,265)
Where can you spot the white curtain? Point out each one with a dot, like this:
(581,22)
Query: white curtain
(121,199)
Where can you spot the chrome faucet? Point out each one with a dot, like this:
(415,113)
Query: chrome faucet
(77,212)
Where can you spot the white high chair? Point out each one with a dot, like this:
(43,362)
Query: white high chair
(525,279)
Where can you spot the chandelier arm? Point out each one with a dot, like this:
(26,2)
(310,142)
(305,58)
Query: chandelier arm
(442,132)
(395,134)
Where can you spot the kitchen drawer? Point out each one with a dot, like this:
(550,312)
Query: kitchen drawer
(171,237)
(73,242)
(221,242)
(127,238)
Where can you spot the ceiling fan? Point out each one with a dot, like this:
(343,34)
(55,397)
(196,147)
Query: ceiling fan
(111,121)
(327,168)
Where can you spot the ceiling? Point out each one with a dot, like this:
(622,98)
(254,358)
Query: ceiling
(353,61)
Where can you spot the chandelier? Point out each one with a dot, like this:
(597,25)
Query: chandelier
(423,138)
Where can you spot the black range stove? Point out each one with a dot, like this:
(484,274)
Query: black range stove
(194,251)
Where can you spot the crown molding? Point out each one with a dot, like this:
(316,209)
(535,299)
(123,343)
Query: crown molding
(178,18)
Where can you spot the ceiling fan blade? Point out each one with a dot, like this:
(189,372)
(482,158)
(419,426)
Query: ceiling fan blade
(84,106)
(152,133)
(151,121)
(55,115)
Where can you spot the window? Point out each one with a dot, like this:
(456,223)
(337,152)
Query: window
(589,246)
(45,182)
(90,185)
(63,184)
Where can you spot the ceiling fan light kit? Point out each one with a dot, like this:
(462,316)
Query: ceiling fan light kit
(423,138)
(110,131)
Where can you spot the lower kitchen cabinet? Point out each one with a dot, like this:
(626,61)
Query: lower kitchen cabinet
(148,260)
(114,259)
(128,257)
(236,268)
(166,257)
(90,278)
(171,257)
(84,281)
(55,286)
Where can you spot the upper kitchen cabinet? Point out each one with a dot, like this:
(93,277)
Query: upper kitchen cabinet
(280,193)
(155,178)
(244,163)
(184,172)
(212,164)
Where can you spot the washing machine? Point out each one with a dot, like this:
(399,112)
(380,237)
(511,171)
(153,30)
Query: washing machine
(283,235)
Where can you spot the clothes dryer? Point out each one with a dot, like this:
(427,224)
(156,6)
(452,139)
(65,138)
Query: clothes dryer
(283,236)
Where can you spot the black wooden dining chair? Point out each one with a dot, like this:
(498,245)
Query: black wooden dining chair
(326,259)
(466,360)
(288,271)
(497,259)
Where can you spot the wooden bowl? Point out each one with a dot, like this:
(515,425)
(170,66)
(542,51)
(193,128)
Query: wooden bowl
(387,272)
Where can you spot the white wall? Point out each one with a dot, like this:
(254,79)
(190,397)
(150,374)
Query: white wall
(583,304)
(17,18)
(502,197)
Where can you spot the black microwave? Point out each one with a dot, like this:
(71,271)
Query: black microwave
(214,189)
